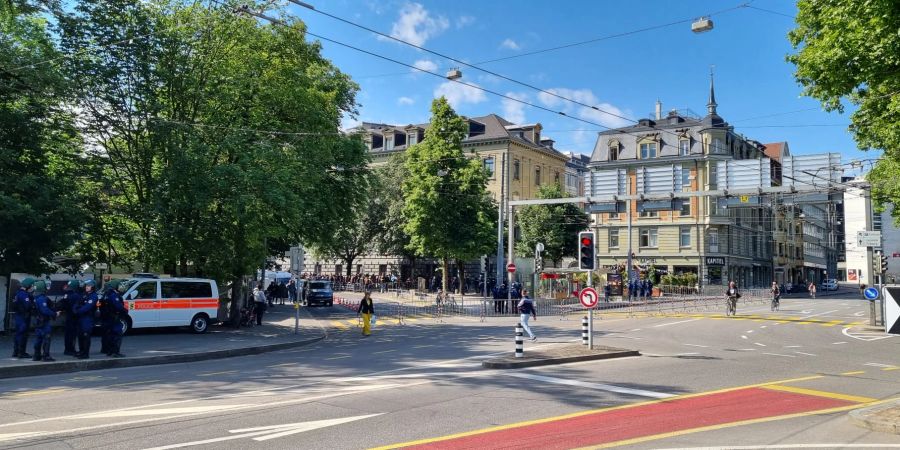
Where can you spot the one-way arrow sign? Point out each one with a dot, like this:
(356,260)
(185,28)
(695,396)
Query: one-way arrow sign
(265,433)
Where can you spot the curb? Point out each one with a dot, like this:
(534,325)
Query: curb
(868,418)
(98,364)
(502,364)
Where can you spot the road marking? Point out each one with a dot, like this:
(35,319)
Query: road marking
(778,354)
(132,383)
(383,351)
(764,326)
(674,323)
(759,344)
(819,314)
(270,432)
(807,354)
(697,345)
(339,324)
(855,372)
(38,392)
(746,350)
(744,337)
(817,393)
(749,331)
(687,354)
(423,346)
(789,446)
(891,368)
(225,372)
(867,337)
(793,346)
(337,357)
(597,386)
(283,365)
(838,343)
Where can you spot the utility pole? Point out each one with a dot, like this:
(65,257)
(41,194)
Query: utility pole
(500,206)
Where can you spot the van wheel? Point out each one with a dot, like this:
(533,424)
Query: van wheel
(126,324)
(200,323)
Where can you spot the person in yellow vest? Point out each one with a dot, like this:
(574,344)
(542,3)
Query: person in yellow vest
(367,310)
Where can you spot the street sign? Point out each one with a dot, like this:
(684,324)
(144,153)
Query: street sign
(588,297)
(892,310)
(511,268)
(868,239)
(871,293)
(101,266)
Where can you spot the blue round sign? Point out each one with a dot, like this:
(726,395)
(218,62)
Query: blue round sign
(871,293)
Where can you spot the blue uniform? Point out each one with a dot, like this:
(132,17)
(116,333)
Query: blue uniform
(22,306)
(67,305)
(84,313)
(113,310)
(43,327)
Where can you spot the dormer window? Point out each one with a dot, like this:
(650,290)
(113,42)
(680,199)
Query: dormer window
(718,146)
(614,151)
(389,143)
(377,142)
(475,129)
(684,147)
(648,150)
(413,137)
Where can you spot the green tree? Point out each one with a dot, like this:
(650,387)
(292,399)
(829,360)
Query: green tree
(555,226)
(849,52)
(447,207)
(40,203)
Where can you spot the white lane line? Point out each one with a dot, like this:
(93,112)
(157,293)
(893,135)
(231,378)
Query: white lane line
(879,365)
(838,343)
(759,344)
(819,314)
(687,354)
(779,354)
(807,354)
(764,326)
(697,345)
(859,314)
(793,346)
(636,329)
(597,386)
(674,323)
(746,350)
(749,331)
(744,337)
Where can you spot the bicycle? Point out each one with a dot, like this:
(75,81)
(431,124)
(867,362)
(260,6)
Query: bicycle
(775,302)
(731,306)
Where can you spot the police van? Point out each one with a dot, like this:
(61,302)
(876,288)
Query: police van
(171,302)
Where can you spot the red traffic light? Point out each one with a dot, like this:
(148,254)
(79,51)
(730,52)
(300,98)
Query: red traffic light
(585,241)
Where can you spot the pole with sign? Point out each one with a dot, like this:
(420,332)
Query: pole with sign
(589,298)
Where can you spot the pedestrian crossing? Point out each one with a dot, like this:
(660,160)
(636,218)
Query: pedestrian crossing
(778,319)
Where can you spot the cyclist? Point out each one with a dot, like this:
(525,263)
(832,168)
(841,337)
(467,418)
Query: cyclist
(776,296)
(732,294)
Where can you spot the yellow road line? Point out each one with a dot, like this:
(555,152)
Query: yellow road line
(834,395)
(38,392)
(833,323)
(588,412)
(855,372)
(891,368)
(339,324)
(132,383)
(224,372)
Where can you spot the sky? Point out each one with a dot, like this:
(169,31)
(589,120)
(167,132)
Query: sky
(623,75)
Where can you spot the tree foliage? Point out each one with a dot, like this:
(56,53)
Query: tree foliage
(555,226)
(39,169)
(447,208)
(849,51)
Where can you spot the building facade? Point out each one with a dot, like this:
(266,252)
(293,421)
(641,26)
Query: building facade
(719,239)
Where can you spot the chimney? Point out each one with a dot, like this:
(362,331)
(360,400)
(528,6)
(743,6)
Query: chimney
(658,109)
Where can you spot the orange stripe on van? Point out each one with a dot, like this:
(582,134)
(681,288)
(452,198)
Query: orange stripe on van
(176,303)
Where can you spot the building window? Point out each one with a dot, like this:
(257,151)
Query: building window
(537,176)
(613,238)
(614,215)
(556,177)
(714,241)
(684,147)
(718,146)
(389,143)
(614,152)
(648,214)
(413,138)
(489,166)
(516,168)
(685,179)
(685,207)
(648,150)
(649,238)
(684,237)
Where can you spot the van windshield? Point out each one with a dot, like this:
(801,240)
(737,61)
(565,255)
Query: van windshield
(319,285)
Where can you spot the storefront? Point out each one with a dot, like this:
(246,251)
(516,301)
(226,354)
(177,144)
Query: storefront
(714,270)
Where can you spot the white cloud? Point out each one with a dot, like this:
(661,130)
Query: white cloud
(416,25)
(458,94)
(514,111)
(425,64)
(510,44)
(464,21)
(405,101)
(586,96)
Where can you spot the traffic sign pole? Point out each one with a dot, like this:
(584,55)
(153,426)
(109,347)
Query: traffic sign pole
(589,298)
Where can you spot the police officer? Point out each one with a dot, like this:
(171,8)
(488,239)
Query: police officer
(84,312)
(43,327)
(119,312)
(107,316)
(70,299)
(23,305)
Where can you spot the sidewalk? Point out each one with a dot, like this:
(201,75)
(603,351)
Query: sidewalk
(171,345)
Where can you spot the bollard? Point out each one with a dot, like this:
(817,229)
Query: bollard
(584,330)
(520,346)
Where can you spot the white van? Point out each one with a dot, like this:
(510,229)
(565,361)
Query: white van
(172,302)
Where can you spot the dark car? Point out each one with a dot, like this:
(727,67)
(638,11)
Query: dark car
(319,292)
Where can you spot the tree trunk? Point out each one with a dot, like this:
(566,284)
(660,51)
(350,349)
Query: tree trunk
(349,262)
(445,273)
(237,301)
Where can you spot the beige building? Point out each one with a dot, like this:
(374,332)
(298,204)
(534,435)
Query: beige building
(528,158)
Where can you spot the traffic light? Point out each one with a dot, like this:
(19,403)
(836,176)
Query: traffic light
(484,264)
(586,252)
(884,263)
(539,264)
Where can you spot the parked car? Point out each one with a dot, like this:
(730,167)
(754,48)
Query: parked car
(319,292)
(171,302)
(830,285)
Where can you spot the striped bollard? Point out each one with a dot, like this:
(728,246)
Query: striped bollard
(584,330)
(520,345)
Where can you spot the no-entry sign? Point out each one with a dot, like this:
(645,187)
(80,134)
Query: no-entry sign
(510,267)
(588,297)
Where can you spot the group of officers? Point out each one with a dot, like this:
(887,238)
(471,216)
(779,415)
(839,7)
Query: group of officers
(78,305)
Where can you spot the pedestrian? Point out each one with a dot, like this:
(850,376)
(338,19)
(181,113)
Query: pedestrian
(607,291)
(43,326)
(23,305)
(259,301)
(526,310)
(271,292)
(366,310)
(650,289)
(84,312)
(113,313)
(67,304)
(631,290)
(292,291)
(812,289)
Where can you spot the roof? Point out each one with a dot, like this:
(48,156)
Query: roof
(774,150)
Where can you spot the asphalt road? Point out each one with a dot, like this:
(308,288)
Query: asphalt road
(760,379)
